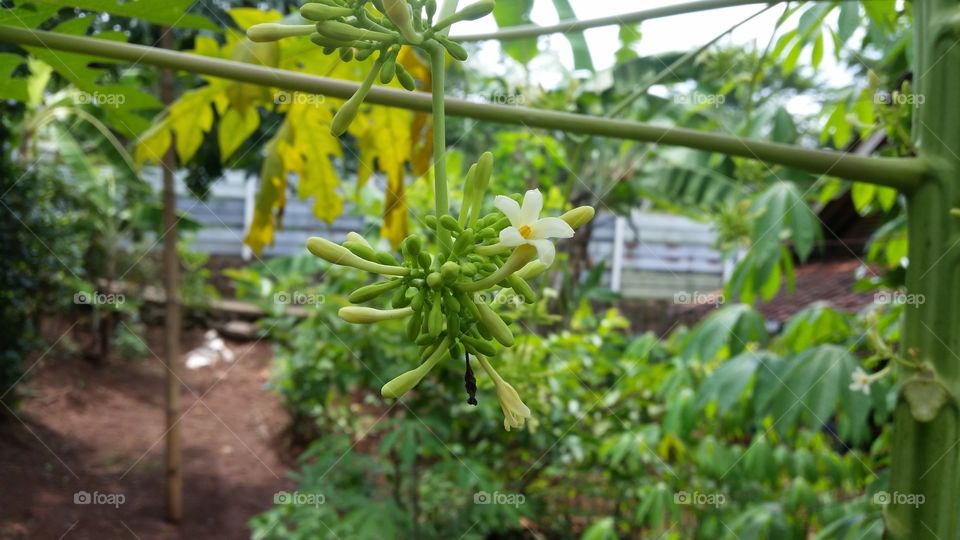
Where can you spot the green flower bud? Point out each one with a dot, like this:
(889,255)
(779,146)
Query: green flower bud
(365,315)
(469,13)
(425,261)
(579,217)
(346,54)
(424,339)
(411,246)
(456,350)
(403,383)
(413,325)
(434,280)
(479,346)
(430,221)
(464,243)
(369,292)
(449,271)
(405,78)
(455,49)
(388,70)
(466,301)
(384,257)
(363,54)
(329,45)
(361,249)
(417,301)
(398,11)
(453,324)
(495,325)
(487,232)
(522,288)
(321,12)
(451,303)
(400,298)
(431,7)
(532,270)
(450,223)
(435,319)
(260,33)
(336,254)
(345,32)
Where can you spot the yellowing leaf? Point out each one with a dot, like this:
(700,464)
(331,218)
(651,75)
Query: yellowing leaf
(247,17)
(190,118)
(235,127)
(152,145)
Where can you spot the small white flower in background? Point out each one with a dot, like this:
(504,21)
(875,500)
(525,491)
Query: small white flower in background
(213,350)
(527,227)
(860,381)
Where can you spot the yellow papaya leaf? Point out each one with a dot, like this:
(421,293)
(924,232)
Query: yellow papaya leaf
(153,144)
(235,126)
(190,118)
(271,198)
(310,126)
(247,17)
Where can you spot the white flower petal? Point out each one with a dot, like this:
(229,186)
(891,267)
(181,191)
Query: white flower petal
(510,208)
(511,237)
(545,250)
(550,227)
(532,205)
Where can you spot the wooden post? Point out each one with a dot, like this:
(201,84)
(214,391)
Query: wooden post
(171,327)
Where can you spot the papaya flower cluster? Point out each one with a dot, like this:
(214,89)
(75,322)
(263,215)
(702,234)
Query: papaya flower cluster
(445,296)
(354,31)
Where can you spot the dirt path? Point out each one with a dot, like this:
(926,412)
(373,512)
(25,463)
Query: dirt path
(100,431)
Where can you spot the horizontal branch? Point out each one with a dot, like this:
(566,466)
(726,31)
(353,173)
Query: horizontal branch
(901,173)
(563,27)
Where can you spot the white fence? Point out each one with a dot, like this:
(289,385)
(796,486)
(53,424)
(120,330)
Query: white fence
(649,255)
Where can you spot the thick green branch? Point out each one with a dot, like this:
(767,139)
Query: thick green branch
(903,174)
(563,27)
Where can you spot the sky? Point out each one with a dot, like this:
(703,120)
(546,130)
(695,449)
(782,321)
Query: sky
(677,33)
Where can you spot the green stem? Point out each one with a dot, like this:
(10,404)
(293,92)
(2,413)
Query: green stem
(532,30)
(438,76)
(901,173)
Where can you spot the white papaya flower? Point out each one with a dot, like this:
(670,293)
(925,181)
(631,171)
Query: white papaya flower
(527,227)
(860,381)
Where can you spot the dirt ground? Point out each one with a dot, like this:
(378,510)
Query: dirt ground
(99,431)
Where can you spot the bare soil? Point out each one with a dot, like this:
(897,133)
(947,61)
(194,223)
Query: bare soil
(83,429)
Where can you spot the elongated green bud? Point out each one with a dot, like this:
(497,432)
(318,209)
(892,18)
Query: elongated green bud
(468,302)
(366,315)
(349,110)
(260,33)
(453,324)
(399,299)
(425,261)
(413,326)
(480,346)
(361,249)
(417,301)
(480,182)
(346,54)
(431,8)
(495,325)
(468,188)
(450,223)
(329,45)
(579,216)
(336,254)
(363,54)
(345,32)
(430,221)
(405,78)
(384,257)
(464,243)
(403,383)
(455,49)
(388,70)
(451,303)
(522,288)
(321,12)
(435,319)
(472,12)
(398,11)
(369,292)
(357,237)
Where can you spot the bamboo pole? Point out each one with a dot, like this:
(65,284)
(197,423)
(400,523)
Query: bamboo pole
(924,492)
(578,25)
(171,326)
(904,174)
